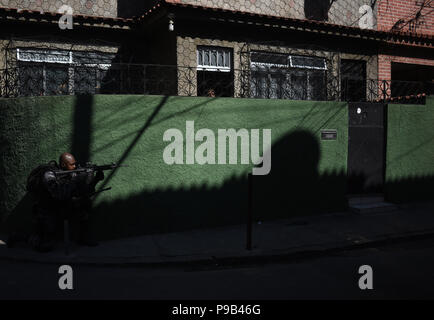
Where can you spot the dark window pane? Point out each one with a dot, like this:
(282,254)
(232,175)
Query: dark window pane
(219,82)
(259,85)
(299,85)
(317,85)
(56,80)
(92,57)
(277,82)
(85,80)
(353,80)
(31,79)
(272,58)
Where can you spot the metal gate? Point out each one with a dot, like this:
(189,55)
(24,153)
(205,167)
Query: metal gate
(366,147)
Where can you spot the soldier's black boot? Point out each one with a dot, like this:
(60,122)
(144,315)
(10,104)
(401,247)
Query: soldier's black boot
(85,237)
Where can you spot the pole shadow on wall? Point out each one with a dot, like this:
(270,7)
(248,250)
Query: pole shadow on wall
(135,141)
(294,187)
(82,128)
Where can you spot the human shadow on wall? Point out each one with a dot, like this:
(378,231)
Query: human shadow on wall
(294,187)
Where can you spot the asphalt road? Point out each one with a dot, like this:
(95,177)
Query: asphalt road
(400,271)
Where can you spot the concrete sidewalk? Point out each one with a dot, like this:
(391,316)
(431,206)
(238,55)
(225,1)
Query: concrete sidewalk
(280,239)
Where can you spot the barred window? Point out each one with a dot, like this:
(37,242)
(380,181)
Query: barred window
(283,76)
(213,59)
(60,72)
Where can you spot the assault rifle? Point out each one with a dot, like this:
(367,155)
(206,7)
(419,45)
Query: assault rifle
(89,167)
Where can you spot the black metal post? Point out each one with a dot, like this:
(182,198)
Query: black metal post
(249,212)
(144,79)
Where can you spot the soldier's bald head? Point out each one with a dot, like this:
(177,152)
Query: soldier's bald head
(67,161)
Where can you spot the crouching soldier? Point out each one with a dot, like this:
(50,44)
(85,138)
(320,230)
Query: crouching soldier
(60,195)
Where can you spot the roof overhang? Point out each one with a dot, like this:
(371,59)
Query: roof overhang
(30,16)
(203,13)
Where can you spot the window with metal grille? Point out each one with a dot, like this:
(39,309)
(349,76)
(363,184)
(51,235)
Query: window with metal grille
(213,59)
(283,76)
(59,72)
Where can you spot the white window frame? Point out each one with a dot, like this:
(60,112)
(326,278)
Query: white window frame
(209,67)
(21,52)
(264,64)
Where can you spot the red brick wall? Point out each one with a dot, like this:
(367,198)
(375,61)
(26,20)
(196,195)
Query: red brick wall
(389,12)
(385,64)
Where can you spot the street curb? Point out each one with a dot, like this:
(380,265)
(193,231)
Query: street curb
(233,261)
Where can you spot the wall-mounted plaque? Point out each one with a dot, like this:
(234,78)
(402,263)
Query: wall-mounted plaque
(329,134)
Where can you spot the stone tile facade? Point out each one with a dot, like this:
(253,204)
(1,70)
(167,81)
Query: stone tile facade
(102,8)
(343,12)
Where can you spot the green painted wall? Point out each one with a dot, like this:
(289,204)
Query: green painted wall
(307,175)
(410,152)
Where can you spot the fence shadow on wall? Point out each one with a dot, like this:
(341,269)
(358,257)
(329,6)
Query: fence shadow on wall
(417,188)
(294,187)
